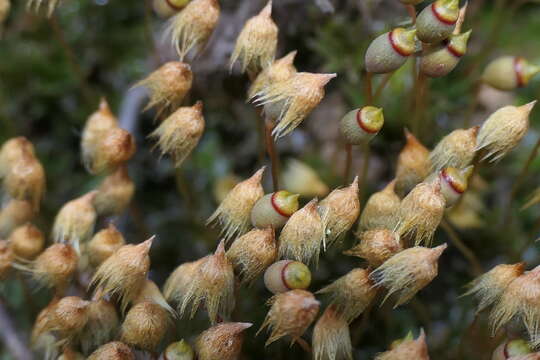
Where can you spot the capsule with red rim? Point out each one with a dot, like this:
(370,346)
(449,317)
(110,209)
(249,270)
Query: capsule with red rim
(168,8)
(361,125)
(439,60)
(509,72)
(286,275)
(389,51)
(510,348)
(454,183)
(274,209)
(437,21)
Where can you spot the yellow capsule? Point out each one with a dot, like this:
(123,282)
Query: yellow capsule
(509,349)
(286,275)
(179,350)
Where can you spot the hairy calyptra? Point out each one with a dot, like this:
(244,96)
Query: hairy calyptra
(376,246)
(380,210)
(407,348)
(222,341)
(280,70)
(331,337)
(103,244)
(413,165)
(114,193)
(27,241)
(300,178)
(457,149)
(115,350)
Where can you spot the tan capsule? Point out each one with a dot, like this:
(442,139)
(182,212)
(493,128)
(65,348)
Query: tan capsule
(280,70)
(14,214)
(5,6)
(151,293)
(74,223)
(27,241)
(115,192)
(331,337)
(407,349)
(454,183)
(67,317)
(509,72)
(179,350)
(489,287)
(437,21)
(389,51)
(503,130)
(380,209)
(520,302)
(421,212)
(339,210)
(6,258)
(351,294)
(180,279)
(290,101)
(301,179)
(286,275)
(360,125)
(102,325)
(168,8)
(115,350)
(212,284)
(104,243)
(234,212)
(407,272)
(25,180)
(40,339)
(440,59)
(508,349)
(456,149)
(291,313)
(69,354)
(376,246)
(124,272)
(221,342)
(12,151)
(413,165)
(191,28)
(274,209)
(168,85)
(55,266)
(115,148)
(253,253)
(145,326)
(257,42)
(180,133)
(303,235)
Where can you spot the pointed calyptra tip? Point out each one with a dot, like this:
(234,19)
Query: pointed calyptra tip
(458,43)
(198,106)
(390,187)
(310,302)
(475,130)
(289,58)
(313,204)
(527,108)
(437,251)
(259,174)
(354,184)
(220,251)
(325,78)
(104,106)
(146,245)
(244,326)
(267,10)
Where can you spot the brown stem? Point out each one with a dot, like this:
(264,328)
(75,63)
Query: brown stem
(519,181)
(381,86)
(304,345)
(363,173)
(272,153)
(348,162)
(419,103)
(369,88)
(476,267)
(473,104)
(412,12)
(72,59)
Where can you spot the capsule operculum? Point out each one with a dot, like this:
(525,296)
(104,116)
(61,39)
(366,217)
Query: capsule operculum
(402,41)
(446,11)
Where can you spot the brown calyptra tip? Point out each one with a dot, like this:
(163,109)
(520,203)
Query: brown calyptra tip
(280,70)
(413,165)
(456,149)
(222,341)
(234,212)
(407,348)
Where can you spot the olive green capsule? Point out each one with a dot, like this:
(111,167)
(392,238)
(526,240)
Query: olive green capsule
(286,275)
(437,21)
(361,125)
(441,59)
(509,72)
(274,209)
(390,50)
(179,350)
(510,348)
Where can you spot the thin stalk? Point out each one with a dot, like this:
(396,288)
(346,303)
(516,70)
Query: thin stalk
(476,267)
(348,162)
(420,102)
(473,104)
(519,181)
(363,173)
(412,12)
(304,345)
(272,153)
(72,59)
(382,85)
(369,88)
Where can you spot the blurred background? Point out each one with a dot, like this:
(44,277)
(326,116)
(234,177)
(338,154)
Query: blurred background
(54,71)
